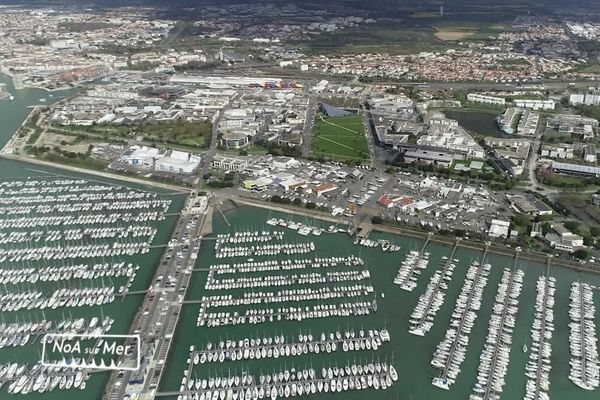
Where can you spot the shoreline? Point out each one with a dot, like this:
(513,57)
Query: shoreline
(465,243)
(102,174)
(18,85)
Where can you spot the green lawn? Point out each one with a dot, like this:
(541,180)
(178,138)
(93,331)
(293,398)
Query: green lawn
(390,38)
(196,134)
(552,136)
(340,138)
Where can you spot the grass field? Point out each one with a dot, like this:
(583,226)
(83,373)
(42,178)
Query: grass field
(194,134)
(340,138)
(387,38)
(550,135)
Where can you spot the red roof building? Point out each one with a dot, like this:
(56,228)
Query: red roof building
(324,188)
(385,201)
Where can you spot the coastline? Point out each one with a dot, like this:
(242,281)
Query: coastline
(18,85)
(465,243)
(102,174)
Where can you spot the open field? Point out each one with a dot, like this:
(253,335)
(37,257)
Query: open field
(454,33)
(552,136)
(424,33)
(389,38)
(340,138)
(183,133)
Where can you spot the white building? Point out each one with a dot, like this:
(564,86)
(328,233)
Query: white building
(588,99)
(499,229)
(535,104)
(140,156)
(282,163)
(480,98)
(178,162)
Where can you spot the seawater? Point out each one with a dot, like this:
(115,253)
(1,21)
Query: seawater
(411,355)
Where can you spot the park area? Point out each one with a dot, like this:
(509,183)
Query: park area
(340,138)
(185,134)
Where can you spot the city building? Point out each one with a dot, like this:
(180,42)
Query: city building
(575,169)
(589,153)
(479,98)
(559,150)
(528,205)
(324,188)
(587,99)
(234,140)
(258,184)
(562,239)
(429,157)
(535,104)
(228,163)
(528,123)
(499,229)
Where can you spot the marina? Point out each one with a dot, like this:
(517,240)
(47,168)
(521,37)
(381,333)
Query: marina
(539,365)
(585,367)
(246,332)
(411,268)
(62,269)
(450,352)
(495,356)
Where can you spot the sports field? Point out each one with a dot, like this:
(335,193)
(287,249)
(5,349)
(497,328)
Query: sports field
(340,138)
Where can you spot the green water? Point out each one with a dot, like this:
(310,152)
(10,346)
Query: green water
(480,123)
(410,354)
(12,114)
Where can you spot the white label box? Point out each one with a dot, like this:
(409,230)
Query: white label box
(99,352)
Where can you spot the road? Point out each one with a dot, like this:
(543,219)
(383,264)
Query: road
(212,150)
(309,124)
(157,318)
(531,164)
(378,153)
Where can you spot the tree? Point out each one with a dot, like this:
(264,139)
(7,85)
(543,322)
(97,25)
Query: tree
(572,225)
(582,254)
(546,228)
(520,220)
